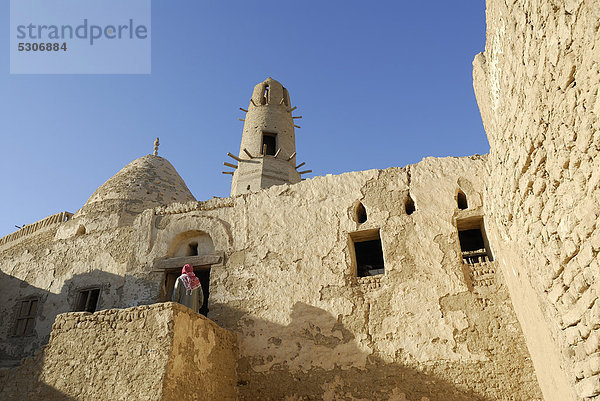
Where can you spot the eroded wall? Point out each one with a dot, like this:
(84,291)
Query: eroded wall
(306,326)
(53,267)
(537,87)
(203,360)
(159,352)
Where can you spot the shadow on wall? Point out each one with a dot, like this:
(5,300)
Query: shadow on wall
(12,292)
(315,356)
(12,384)
(31,310)
(22,356)
(302,341)
(13,347)
(304,344)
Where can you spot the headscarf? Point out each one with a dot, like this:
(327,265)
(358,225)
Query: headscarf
(190,281)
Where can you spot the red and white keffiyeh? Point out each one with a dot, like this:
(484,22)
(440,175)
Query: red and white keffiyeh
(190,281)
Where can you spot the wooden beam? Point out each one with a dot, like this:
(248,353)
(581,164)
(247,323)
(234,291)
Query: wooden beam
(227,172)
(241,119)
(196,261)
(292,156)
(297,126)
(230,165)
(292,109)
(248,153)
(305,171)
(252,101)
(297,117)
(244,110)
(265,149)
(300,165)
(234,157)
(277,153)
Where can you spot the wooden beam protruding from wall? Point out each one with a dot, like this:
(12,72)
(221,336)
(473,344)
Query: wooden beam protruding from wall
(196,261)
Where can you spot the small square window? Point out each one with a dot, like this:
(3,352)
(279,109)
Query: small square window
(26,313)
(87,300)
(367,253)
(269,146)
(474,245)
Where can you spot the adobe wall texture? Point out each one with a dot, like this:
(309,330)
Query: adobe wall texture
(203,360)
(306,326)
(159,352)
(53,270)
(537,87)
(432,326)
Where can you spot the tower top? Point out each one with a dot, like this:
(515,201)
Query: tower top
(267,154)
(156,143)
(270,92)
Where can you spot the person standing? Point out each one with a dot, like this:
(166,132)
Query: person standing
(188,290)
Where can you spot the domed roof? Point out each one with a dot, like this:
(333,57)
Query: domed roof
(142,184)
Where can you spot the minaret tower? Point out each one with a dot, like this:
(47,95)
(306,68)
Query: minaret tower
(267,154)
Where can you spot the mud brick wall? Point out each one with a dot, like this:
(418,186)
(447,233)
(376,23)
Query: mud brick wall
(157,352)
(537,87)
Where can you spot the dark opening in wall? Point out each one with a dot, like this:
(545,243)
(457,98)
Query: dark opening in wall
(269,144)
(26,313)
(360,213)
(192,249)
(265,98)
(461,200)
(471,240)
(474,245)
(367,253)
(286,97)
(409,205)
(203,275)
(87,300)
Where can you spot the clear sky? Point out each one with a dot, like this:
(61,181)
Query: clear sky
(378,83)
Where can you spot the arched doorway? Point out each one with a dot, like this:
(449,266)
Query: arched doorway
(190,247)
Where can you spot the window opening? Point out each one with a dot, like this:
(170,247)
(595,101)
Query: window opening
(474,245)
(360,213)
(269,144)
(286,97)
(461,200)
(367,253)
(88,300)
(265,98)
(409,205)
(26,317)
(192,249)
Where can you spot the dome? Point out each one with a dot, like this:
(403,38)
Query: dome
(144,183)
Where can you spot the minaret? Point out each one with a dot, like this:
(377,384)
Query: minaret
(268,151)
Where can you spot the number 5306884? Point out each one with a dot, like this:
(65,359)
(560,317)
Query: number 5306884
(41,47)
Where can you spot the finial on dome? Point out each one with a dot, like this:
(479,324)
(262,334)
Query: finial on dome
(156,143)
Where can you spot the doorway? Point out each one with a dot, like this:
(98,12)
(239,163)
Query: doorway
(171,275)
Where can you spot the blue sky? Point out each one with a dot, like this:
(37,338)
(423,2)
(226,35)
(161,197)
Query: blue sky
(379,84)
